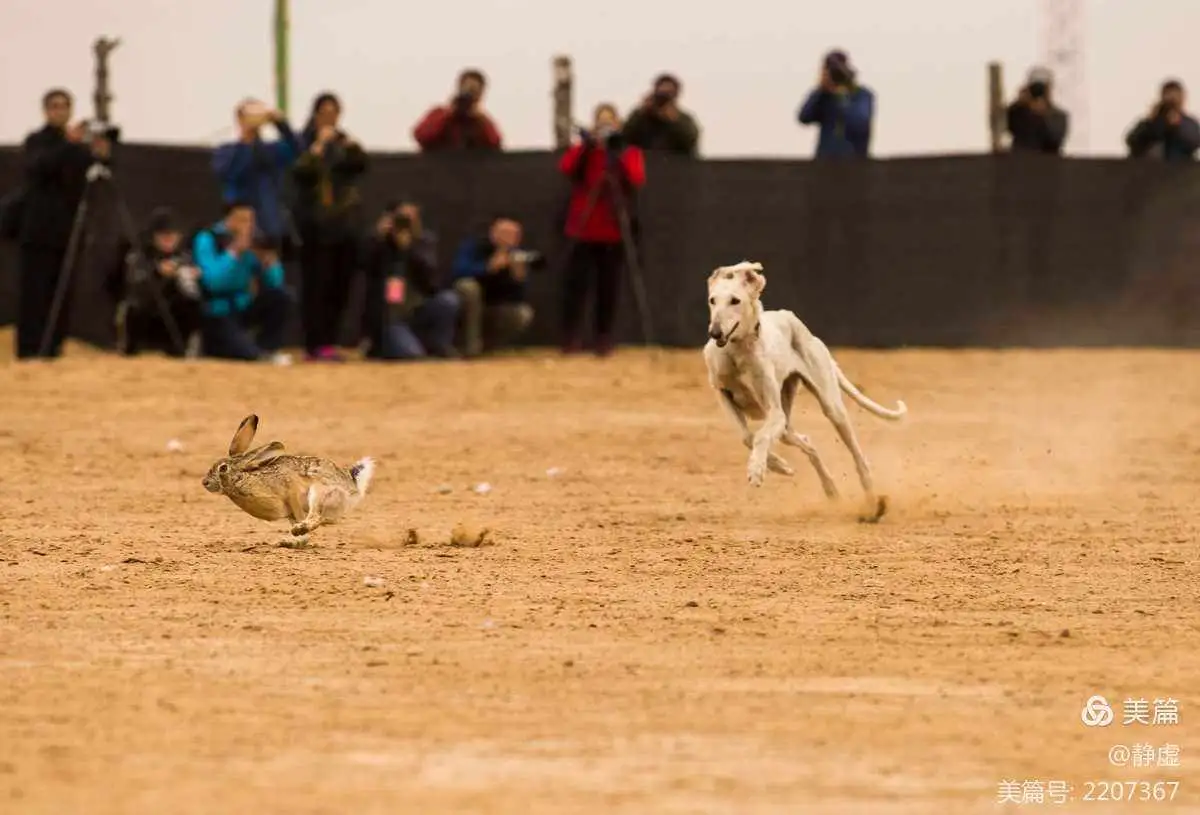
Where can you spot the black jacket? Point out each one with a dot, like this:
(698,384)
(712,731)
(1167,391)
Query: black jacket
(55,179)
(417,266)
(1034,132)
(135,277)
(328,202)
(649,131)
(1154,136)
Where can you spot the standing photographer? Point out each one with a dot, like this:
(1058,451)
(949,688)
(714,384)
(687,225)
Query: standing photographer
(327,214)
(251,170)
(56,163)
(407,314)
(605,173)
(660,124)
(1035,123)
(1167,133)
(842,109)
(462,124)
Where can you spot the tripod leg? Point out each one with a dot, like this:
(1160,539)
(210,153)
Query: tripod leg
(64,272)
(160,302)
(635,272)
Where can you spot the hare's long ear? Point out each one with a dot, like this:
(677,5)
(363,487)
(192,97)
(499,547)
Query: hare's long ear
(244,435)
(262,456)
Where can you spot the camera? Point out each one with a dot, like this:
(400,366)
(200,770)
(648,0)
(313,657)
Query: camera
(401,223)
(532,259)
(462,102)
(661,98)
(1038,90)
(94,130)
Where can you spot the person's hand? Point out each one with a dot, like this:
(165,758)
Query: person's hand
(384,225)
(77,132)
(274,116)
(519,270)
(498,261)
(167,268)
(241,242)
(648,103)
(101,148)
(825,81)
(267,258)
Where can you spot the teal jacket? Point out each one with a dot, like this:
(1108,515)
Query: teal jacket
(225,278)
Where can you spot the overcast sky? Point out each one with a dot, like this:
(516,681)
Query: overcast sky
(745,65)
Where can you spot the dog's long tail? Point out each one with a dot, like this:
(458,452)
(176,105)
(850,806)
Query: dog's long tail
(362,472)
(860,397)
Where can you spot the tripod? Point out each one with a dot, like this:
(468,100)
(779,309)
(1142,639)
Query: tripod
(98,172)
(628,247)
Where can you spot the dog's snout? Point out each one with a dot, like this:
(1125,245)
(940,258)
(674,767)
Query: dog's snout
(714,331)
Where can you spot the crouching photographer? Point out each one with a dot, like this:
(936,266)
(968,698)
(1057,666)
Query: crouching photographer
(605,173)
(246,304)
(406,315)
(157,288)
(490,274)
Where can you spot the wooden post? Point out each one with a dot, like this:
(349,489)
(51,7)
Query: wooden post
(102,97)
(564,84)
(996,106)
(282,69)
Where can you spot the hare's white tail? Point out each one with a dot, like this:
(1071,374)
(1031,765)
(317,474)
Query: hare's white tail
(362,472)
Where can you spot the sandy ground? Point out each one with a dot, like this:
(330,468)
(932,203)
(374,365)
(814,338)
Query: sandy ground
(646,634)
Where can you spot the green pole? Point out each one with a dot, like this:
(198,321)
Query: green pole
(281,55)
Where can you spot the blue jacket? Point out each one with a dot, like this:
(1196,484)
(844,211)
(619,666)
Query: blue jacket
(845,121)
(254,173)
(225,277)
(499,287)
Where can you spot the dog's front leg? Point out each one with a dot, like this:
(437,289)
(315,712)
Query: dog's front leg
(770,431)
(775,462)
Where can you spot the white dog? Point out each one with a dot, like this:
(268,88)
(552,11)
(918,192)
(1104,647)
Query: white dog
(756,359)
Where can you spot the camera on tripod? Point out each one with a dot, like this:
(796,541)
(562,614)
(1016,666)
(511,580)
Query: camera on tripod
(94,130)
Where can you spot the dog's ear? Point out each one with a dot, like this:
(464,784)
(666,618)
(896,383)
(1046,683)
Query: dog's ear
(755,281)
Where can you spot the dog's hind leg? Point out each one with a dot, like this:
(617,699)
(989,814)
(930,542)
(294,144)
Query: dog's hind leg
(775,463)
(790,436)
(827,389)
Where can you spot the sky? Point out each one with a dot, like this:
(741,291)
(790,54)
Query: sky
(745,66)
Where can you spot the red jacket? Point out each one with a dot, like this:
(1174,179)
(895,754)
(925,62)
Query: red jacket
(602,225)
(442,130)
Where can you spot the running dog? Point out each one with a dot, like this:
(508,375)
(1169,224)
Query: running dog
(756,360)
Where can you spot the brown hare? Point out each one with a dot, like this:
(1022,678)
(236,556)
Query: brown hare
(271,485)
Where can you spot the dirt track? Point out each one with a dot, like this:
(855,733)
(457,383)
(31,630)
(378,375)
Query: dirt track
(647,635)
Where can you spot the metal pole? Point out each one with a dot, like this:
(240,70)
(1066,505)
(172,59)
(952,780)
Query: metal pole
(282,31)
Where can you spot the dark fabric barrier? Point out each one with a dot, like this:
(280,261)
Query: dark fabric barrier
(947,251)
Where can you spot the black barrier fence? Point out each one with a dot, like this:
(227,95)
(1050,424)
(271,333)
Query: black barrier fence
(947,251)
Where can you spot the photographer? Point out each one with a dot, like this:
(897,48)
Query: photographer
(462,124)
(327,214)
(251,170)
(56,163)
(246,306)
(407,314)
(1167,133)
(659,124)
(842,109)
(1035,123)
(605,173)
(490,274)
(158,275)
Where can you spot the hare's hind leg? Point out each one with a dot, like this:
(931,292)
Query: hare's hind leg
(325,506)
